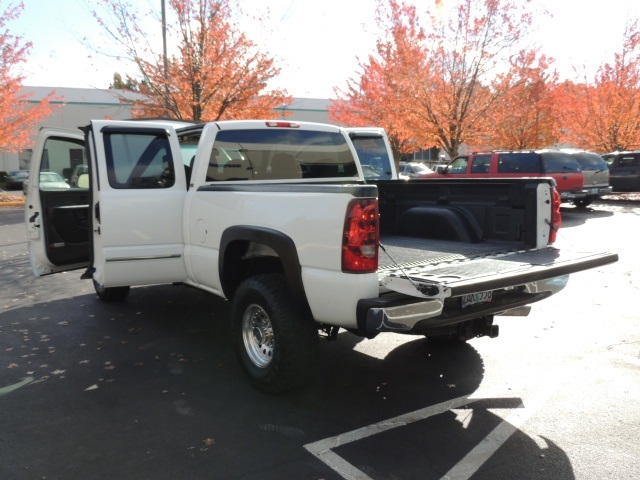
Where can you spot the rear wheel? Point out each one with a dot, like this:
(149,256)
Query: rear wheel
(276,341)
(111,294)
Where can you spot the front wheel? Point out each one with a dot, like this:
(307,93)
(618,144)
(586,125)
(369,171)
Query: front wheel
(276,340)
(111,294)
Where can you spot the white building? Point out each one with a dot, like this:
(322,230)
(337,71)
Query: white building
(77,106)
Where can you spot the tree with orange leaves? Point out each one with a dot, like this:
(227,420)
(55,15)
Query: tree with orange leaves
(439,85)
(18,117)
(215,71)
(525,117)
(602,115)
(452,95)
(375,99)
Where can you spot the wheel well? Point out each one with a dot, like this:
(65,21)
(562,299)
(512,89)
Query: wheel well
(243,259)
(247,250)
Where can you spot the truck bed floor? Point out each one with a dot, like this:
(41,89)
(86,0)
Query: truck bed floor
(408,251)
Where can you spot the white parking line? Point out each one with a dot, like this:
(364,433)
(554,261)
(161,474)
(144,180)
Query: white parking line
(464,469)
(322,449)
(492,442)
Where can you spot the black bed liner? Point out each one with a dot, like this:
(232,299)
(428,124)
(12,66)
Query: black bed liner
(406,251)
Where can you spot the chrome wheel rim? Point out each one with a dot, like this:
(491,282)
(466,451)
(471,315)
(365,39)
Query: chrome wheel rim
(257,335)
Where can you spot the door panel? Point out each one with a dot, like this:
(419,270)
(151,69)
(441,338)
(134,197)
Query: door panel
(139,200)
(66,226)
(125,221)
(56,213)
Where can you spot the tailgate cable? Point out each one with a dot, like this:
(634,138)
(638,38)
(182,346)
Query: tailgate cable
(427,290)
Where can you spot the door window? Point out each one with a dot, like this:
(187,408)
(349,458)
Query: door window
(139,160)
(459,165)
(481,164)
(628,161)
(60,158)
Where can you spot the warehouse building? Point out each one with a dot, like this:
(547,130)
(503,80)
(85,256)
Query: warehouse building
(77,106)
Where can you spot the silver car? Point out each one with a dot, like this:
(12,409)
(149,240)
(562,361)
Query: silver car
(596,176)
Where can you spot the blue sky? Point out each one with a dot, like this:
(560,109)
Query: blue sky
(317,42)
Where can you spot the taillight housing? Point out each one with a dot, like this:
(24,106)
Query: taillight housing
(361,236)
(556,216)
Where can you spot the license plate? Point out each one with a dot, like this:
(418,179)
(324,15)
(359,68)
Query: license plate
(476,298)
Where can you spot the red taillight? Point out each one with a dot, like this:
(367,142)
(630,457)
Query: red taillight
(556,216)
(360,237)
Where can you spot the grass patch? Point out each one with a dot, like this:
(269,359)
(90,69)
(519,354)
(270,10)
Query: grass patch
(9,200)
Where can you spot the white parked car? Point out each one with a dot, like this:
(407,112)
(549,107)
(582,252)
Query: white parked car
(48,181)
(414,170)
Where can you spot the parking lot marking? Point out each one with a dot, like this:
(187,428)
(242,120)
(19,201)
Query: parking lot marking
(466,467)
(15,386)
(322,449)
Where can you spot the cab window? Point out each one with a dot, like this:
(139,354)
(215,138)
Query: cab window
(458,166)
(139,160)
(481,164)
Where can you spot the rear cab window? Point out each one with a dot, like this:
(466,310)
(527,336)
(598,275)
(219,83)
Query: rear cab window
(280,154)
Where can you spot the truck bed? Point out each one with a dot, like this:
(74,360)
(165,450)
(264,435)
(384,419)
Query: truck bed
(472,267)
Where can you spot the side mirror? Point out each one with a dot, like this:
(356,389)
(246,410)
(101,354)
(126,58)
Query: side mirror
(83,180)
(441,168)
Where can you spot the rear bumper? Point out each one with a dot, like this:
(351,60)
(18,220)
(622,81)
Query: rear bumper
(575,195)
(393,312)
(421,297)
(597,191)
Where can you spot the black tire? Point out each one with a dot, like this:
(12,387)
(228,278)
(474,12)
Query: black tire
(451,339)
(583,202)
(112,294)
(276,341)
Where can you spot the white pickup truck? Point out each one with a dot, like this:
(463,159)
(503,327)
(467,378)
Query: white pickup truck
(304,227)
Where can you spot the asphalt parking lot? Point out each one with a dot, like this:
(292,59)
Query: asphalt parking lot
(150,387)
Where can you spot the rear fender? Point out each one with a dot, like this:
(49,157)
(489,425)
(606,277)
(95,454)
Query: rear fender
(281,244)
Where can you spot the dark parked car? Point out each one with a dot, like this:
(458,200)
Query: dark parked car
(16,178)
(624,170)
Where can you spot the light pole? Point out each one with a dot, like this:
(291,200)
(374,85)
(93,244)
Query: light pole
(164,56)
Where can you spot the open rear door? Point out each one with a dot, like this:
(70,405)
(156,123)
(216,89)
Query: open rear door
(139,188)
(57,212)
(126,225)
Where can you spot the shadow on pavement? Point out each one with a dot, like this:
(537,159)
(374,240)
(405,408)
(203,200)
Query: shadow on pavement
(573,216)
(150,388)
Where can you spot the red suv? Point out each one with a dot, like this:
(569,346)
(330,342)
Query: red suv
(561,166)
